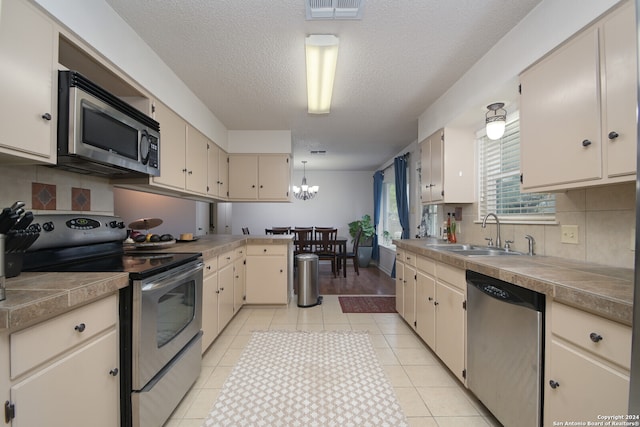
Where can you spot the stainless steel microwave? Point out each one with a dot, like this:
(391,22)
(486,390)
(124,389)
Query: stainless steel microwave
(100,134)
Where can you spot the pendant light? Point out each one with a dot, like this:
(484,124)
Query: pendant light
(496,120)
(305,192)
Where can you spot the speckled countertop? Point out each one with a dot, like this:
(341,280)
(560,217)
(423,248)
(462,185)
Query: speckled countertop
(34,297)
(605,291)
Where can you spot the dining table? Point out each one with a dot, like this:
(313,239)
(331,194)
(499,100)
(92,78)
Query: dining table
(340,242)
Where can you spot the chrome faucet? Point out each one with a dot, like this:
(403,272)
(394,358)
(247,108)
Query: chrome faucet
(531,243)
(484,225)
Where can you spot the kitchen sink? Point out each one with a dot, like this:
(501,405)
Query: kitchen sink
(472,250)
(484,252)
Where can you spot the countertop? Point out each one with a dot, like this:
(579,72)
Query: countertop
(602,290)
(34,297)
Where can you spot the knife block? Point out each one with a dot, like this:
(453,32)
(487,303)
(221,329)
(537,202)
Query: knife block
(13,264)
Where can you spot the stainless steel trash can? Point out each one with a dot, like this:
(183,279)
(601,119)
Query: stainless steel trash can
(307,280)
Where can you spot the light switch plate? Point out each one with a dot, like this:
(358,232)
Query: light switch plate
(569,234)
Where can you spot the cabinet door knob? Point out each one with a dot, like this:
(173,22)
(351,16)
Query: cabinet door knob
(613,135)
(429,299)
(554,384)
(595,337)
(436,303)
(586,143)
(46,116)
(81,327)
(114,372)
(221,289)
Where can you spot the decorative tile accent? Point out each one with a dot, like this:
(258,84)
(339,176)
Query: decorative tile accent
(80,199)
(43,196)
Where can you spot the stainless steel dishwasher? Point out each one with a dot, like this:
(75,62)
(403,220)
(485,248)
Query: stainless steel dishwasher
(505,341)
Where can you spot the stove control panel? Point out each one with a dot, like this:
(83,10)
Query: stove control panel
(64,230)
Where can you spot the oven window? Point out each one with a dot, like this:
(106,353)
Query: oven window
(176,309)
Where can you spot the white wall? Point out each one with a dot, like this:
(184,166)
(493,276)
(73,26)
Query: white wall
(259,141)
(178,215)
(343,197)
(494,77)
(98,25)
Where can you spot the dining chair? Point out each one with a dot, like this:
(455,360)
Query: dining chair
(326,247)
(245,230)
(281,230)
(303,237)
(353,255)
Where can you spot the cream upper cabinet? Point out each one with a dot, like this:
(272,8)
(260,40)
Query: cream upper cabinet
(173,138)
(259,177)
(448,168)
(184,154)
(577,109)
(197,161)
(218,172)
(27,46)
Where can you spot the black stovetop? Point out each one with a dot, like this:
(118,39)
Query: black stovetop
(105,257)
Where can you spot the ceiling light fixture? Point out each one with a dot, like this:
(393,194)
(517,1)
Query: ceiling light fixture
(305,192)
(322,57)
(496,120)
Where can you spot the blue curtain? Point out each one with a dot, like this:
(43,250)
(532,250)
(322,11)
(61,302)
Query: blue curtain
(400,166)
(378,177)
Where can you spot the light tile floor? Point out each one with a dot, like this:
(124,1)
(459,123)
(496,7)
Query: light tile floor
(426,390)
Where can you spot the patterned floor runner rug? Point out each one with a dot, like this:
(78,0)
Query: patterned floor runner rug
(374,304)
(307,379)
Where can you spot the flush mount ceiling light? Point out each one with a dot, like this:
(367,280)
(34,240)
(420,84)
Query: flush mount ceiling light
(305,192)
(496,119)
(322,57)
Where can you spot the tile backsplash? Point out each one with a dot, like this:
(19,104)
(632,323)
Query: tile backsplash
(49,190)
(605,217)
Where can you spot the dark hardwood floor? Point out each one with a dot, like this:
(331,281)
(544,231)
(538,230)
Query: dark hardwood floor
(371,281)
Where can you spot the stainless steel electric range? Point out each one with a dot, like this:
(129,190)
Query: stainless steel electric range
(160,311)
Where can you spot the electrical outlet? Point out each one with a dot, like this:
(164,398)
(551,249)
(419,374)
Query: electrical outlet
(569,234)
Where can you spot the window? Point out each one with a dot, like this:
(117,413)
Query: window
(390,227)
(499,192)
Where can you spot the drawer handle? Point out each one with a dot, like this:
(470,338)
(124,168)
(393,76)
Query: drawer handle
(586,143)
(554,384)
(595,337)
(613,135)
(81,327)
(114,372)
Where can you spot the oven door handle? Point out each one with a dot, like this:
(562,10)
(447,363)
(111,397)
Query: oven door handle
(170,280)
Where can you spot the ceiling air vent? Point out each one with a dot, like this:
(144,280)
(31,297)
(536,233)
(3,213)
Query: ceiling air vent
(334,9)
(318,152)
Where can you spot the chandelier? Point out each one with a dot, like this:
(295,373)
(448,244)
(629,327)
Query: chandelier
(305,192)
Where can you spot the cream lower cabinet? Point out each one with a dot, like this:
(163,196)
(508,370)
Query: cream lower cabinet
(586,366)
(209,302)
(406,286)
(425,296)
(225,288)
(65,372)
(267,274)
(450,319)
(440,308)
(239,267)
(27,44)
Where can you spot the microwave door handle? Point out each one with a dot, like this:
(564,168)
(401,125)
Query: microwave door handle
(159,286)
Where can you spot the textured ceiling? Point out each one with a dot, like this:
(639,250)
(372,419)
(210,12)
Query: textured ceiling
(245,60)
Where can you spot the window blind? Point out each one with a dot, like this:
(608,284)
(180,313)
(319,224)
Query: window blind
(499,192)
